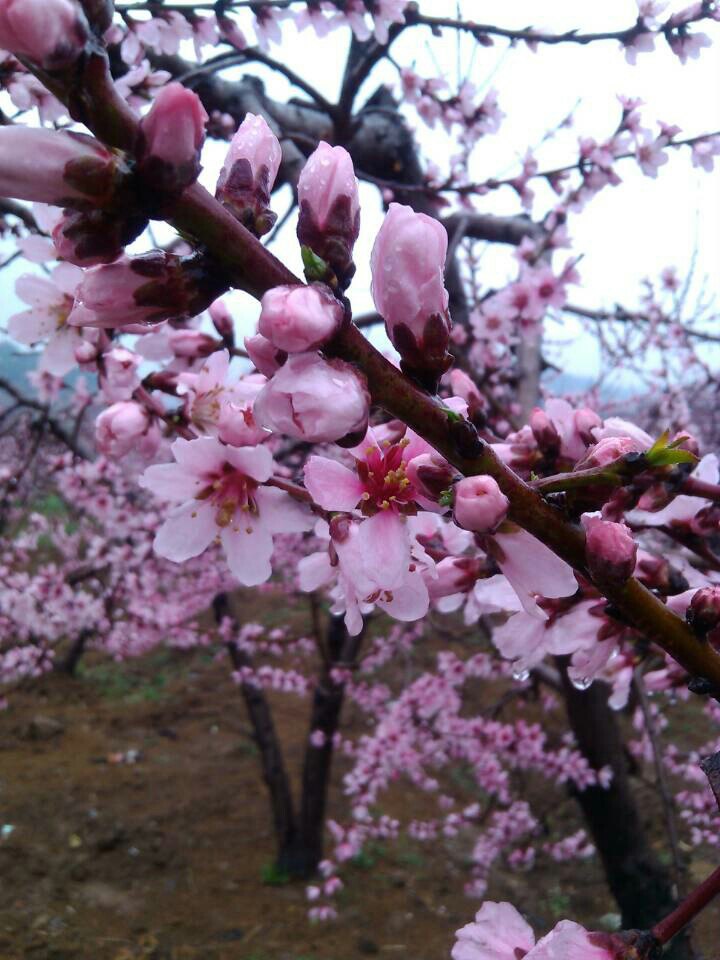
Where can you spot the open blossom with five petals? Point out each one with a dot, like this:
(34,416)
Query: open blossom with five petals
(220,495)
(51,301)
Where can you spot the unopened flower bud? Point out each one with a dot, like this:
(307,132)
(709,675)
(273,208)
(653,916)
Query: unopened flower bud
(545,432)
(610,550)
(126,427)
(248,174)
(51,33)
(609,450)
(314,399)
(430,474)
(191,344)
(173,133)
(408,263)
(86,352)
(585,421)
(480,505)
(299,318)
(703,612)
(222,320)
(454,575)
(91,237)
(265,355)
(59,167)
(329,221)
(119,376)
(146,289)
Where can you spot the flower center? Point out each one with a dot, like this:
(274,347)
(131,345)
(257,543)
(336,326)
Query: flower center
(230,491)
(385,481)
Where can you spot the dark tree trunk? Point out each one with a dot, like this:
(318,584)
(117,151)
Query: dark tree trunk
(74,655)
(340,649)
(268,743)
(641,885)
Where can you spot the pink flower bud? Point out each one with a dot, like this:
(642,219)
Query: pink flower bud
(91,237)
(430,474)
(119,373)
(146,289)
(703,613)
(222,320)
(454,575)
(266,357)
(314,399)
(329,221)
(124,427)
(585,421)
(191,344)
(59,167)
(610,550)
(52,33)
(608,450)
(248,174)
(299,318)
(173,132)
(408,263)
(480,504)
(545,432)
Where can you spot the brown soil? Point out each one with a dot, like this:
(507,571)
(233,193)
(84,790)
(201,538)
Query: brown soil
(165,858)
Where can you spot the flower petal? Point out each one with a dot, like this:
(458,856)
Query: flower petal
(332,485)
(188,531)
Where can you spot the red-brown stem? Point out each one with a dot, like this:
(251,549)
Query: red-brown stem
(701,488)
(691,906)
(250,266)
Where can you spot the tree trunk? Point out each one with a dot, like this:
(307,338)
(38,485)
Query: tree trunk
(74,654)
(340,649)
(268,743)
(638,881)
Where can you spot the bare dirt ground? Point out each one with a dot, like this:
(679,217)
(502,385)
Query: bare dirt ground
(166,858)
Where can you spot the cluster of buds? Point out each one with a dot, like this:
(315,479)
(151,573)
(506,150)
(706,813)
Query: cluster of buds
(408,264)
(329,221)
(143,290)
(248,175)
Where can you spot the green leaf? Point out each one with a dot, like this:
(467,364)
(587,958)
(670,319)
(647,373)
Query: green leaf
(315,266)
(447,497)
(664,453)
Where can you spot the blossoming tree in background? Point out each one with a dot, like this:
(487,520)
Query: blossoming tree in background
(439,484)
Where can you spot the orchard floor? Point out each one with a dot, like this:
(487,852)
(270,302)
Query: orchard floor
(167,858)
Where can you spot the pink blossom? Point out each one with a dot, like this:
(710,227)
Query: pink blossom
(53,33)
(651,155)
(314,399)
(220,493)
(299,318)
(480,505)
(220,406)
(570,941)
(497,933)
(683,508)
(531,567)
(51,302)
(125,427)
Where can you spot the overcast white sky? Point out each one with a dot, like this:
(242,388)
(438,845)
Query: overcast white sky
(626,233)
